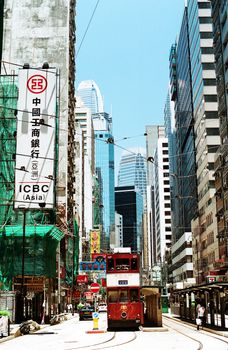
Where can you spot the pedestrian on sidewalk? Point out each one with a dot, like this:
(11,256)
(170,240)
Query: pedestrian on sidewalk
(200,316)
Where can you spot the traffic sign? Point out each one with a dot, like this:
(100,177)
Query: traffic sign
(95,287)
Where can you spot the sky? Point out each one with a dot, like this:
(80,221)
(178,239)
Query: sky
(126,52)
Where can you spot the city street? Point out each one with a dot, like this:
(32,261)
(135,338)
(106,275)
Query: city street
(71,335)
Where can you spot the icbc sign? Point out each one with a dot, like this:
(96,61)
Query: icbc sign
(37,84)
(35,153)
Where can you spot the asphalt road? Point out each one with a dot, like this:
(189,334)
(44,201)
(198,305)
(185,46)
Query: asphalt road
(74,334)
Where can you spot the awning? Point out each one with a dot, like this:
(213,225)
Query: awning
(32,230)
(207,287)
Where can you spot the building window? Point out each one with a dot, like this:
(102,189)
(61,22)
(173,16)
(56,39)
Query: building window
(208,66)
(206,35)
(212,131)
(204,20)
(204,5)
(165,144)
(210,98)
(211,115)
(209,82)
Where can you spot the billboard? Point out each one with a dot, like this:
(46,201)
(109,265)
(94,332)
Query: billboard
(36,129)
(94,241)
(92,266)
(82,279)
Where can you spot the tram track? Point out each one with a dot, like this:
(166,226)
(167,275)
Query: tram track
(100,346)
(200,344)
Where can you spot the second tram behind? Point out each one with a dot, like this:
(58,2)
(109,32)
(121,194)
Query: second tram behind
(124,307)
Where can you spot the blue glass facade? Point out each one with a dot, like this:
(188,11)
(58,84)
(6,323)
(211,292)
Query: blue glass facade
(133,172)
(184,177)
(104,155)
(129,203)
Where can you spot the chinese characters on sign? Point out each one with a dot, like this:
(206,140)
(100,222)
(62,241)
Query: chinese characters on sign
(94,241)
(35,154)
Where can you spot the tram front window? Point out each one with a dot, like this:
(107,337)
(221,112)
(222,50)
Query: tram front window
(122,264)
(123,296)
(113,296)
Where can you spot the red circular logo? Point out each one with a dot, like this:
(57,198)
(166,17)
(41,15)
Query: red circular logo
(37,84)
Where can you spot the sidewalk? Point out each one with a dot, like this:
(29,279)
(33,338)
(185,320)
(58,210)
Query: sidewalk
(207,329)
(14,327)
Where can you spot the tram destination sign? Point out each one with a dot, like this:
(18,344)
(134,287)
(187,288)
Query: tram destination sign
(123,282)
(35,152)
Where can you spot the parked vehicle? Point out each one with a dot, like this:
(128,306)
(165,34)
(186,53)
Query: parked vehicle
(102,307)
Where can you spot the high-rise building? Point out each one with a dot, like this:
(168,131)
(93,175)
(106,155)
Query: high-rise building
(193,89)
(43,37)
(91,96)
(162,200)
(220,31)
(153,133)
(85,129)
(129,204)
(182,157)
(104,156)
(206,132)
(132,170)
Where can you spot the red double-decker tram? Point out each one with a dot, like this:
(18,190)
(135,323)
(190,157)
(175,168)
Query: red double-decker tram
(124,308)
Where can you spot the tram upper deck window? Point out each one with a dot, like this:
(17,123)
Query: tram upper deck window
(113,296)
(110,264)
(134,264)
(122,264)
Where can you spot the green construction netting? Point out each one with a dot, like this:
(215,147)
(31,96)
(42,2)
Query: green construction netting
(42,236)
(39,251)
(46,230)
(72,256)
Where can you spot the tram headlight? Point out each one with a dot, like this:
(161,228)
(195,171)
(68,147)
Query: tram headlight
(123,314)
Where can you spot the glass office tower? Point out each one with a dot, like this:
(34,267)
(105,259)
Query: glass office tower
(91,96)
(133,170)
(129,203)
(104,156)
(185,139)
(207,140)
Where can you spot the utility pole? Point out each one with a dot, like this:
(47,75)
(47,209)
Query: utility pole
(23,264)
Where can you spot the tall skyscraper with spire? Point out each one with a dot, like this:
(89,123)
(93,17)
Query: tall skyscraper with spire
(91,96)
